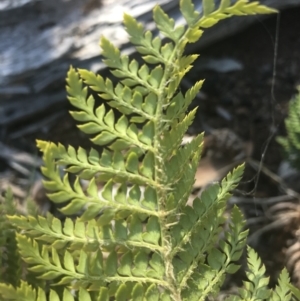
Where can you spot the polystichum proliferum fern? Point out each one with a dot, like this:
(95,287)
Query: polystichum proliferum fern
(291,143)
(135,238)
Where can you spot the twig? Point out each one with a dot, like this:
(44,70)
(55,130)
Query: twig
(258,167)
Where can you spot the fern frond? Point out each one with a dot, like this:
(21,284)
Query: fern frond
(98,121)
(25,293)
(108,165)
(245,7)
(194,218)
(151,48)
(113,168)
(235,240)
(227,9)
(13,264)
(173,138)
(256,288)
(121,97)
(282,290)
(230,182)
(135,238)
(22,293)
(91,270)
(210,277)
(192,237)
(89,236)
(295,291)
(49,264)
(10,261)
(184,158)
(179,103)
(291,143)
(123,68)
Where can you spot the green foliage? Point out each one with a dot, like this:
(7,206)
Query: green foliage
(256,286)
(291,143)
(10,262)
(134,237)
(284,290)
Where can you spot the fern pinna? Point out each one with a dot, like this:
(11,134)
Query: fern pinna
(135,238)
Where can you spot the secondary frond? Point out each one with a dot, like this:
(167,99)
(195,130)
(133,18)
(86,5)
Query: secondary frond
(91,270)
(230,182)
(256,288)
(186,157)
(89,236)
(122,98)
(212,16)
(25,292)
(132,235)
(208,280)
(146,81)
(291,143)
(173,137)
(10,260)
(179,103)
(98,122)
(105,166)
(108,200)
(150,47)
(282,290)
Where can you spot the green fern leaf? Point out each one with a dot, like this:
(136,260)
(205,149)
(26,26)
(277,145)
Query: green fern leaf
(134,238)
(122,97)
(220,261)
(22,293)
(295,291)
(243,7)
(231,181)
(226,10)
(208,7)
(100,121)
(282,290)
(25,293)
(10,261)
(188,11)
(257,286)
(290,144)
(224,4)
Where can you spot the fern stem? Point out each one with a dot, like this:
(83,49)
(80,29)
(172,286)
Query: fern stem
(160,177)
